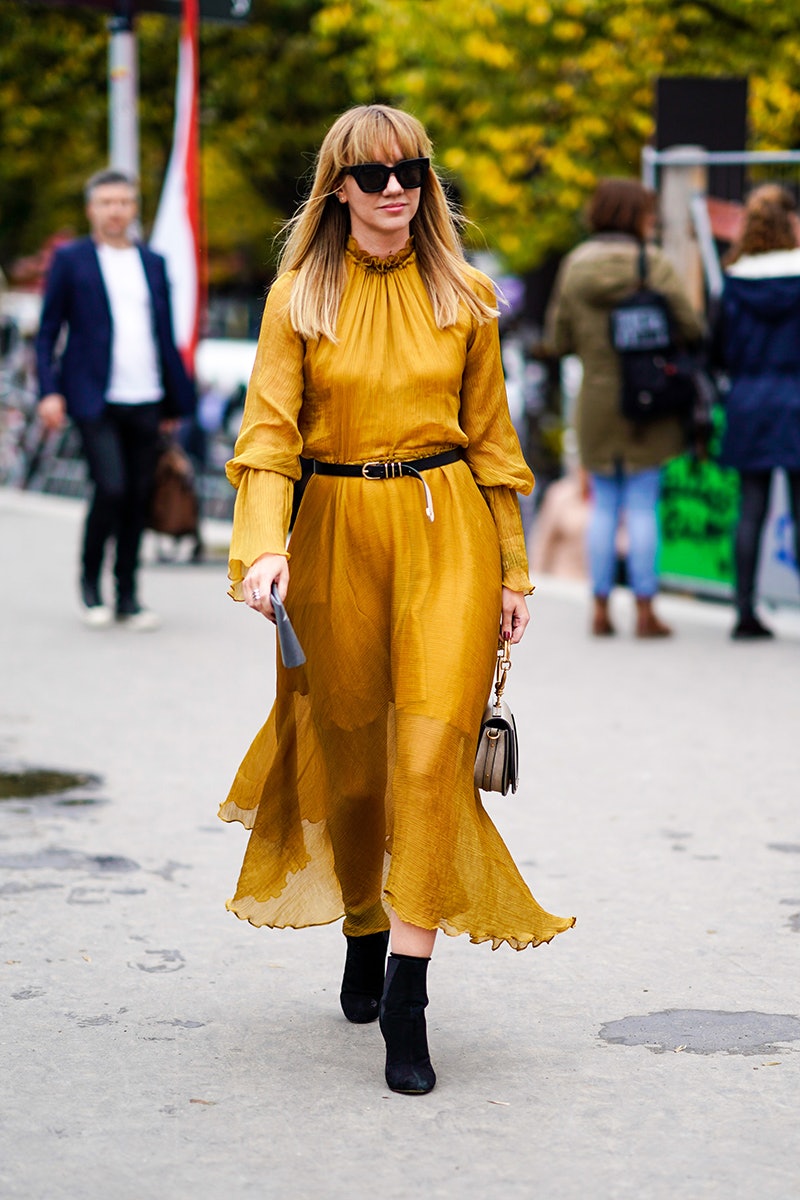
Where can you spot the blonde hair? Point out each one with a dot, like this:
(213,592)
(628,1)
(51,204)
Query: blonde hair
(768,223)
(316,237)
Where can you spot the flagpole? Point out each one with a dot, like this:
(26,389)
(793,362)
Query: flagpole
(176,231)
(123,100)
(192,21)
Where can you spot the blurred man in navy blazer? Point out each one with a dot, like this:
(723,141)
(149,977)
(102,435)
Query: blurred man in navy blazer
(119,377)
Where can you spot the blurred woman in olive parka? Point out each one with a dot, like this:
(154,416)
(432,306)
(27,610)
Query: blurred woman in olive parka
(623,460)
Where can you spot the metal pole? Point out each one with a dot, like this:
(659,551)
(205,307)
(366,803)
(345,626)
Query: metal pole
(649,160)
(684,175)
(698,207)
(123,98)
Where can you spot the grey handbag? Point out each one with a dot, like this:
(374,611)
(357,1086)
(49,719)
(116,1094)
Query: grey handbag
(497,760)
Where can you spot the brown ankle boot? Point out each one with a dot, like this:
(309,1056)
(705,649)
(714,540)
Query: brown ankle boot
(647,623)
(601,622)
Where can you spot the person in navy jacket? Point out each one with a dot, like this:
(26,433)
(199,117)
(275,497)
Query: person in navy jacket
(119,377)
(760,336)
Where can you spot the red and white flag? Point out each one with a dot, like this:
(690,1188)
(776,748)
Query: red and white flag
(176,231)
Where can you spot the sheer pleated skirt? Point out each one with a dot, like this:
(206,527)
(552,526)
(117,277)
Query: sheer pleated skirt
(359,788)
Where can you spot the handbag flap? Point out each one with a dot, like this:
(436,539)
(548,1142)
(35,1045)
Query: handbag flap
(497,760)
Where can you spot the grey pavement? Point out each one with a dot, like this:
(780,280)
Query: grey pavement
(153,1046)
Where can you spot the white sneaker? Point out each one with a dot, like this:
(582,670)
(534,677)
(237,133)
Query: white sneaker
(97,616)
(141,620)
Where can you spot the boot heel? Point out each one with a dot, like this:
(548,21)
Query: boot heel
(402,1018)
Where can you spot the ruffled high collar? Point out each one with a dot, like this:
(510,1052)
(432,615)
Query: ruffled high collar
(383,266)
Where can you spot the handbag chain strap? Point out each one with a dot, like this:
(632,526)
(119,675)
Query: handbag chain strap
(502,668)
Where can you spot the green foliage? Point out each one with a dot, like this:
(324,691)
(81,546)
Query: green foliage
(266,99)
(528,101)
(268,95)
(52,120)
(531,102)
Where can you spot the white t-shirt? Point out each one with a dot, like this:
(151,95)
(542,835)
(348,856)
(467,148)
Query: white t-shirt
(135,376)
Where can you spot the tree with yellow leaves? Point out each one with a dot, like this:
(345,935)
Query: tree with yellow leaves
(531,101)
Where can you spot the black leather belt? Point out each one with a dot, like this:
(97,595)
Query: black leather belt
(394,469)
(388,470)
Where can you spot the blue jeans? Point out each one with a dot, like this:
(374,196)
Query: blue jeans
(634,495)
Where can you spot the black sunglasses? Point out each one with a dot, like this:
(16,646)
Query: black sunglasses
(373,177)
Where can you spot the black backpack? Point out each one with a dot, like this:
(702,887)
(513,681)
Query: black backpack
(658,377)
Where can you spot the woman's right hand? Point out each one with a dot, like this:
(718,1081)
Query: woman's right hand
(269,569)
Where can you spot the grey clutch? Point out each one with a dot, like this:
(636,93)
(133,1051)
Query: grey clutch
(291,650)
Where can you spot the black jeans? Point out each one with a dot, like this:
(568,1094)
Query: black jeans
(752,514)
(121,449)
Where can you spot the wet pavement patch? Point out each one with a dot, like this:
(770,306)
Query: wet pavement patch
(53,858)
(78,801)
(704,1031)
(167,872)
(27,783)
(160,961)
(18,889)
(91,1022)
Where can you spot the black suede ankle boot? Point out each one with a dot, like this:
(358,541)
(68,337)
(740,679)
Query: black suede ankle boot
(362,983)
(408,1064)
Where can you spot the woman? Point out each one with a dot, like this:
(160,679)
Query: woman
(379,347)
(623,460)
(761,351)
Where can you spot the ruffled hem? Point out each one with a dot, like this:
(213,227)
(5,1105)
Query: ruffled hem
(516,942)
(247,909)
(231,813)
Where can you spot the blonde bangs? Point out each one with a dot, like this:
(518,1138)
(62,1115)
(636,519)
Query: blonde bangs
(372,134)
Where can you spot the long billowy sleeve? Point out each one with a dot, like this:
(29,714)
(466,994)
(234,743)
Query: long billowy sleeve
(504,507)
(260,522)
(266,455)
(493,454)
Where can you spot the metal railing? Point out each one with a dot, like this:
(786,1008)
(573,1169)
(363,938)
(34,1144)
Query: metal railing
(53,463)
(756,166)
(726,175)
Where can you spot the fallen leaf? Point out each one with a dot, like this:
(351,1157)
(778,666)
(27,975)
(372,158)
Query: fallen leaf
(86,958)
(209,1102)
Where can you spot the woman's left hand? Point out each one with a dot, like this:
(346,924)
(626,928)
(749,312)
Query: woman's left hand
(515,615)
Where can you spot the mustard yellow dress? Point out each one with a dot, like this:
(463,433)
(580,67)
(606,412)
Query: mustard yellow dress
(359,789)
